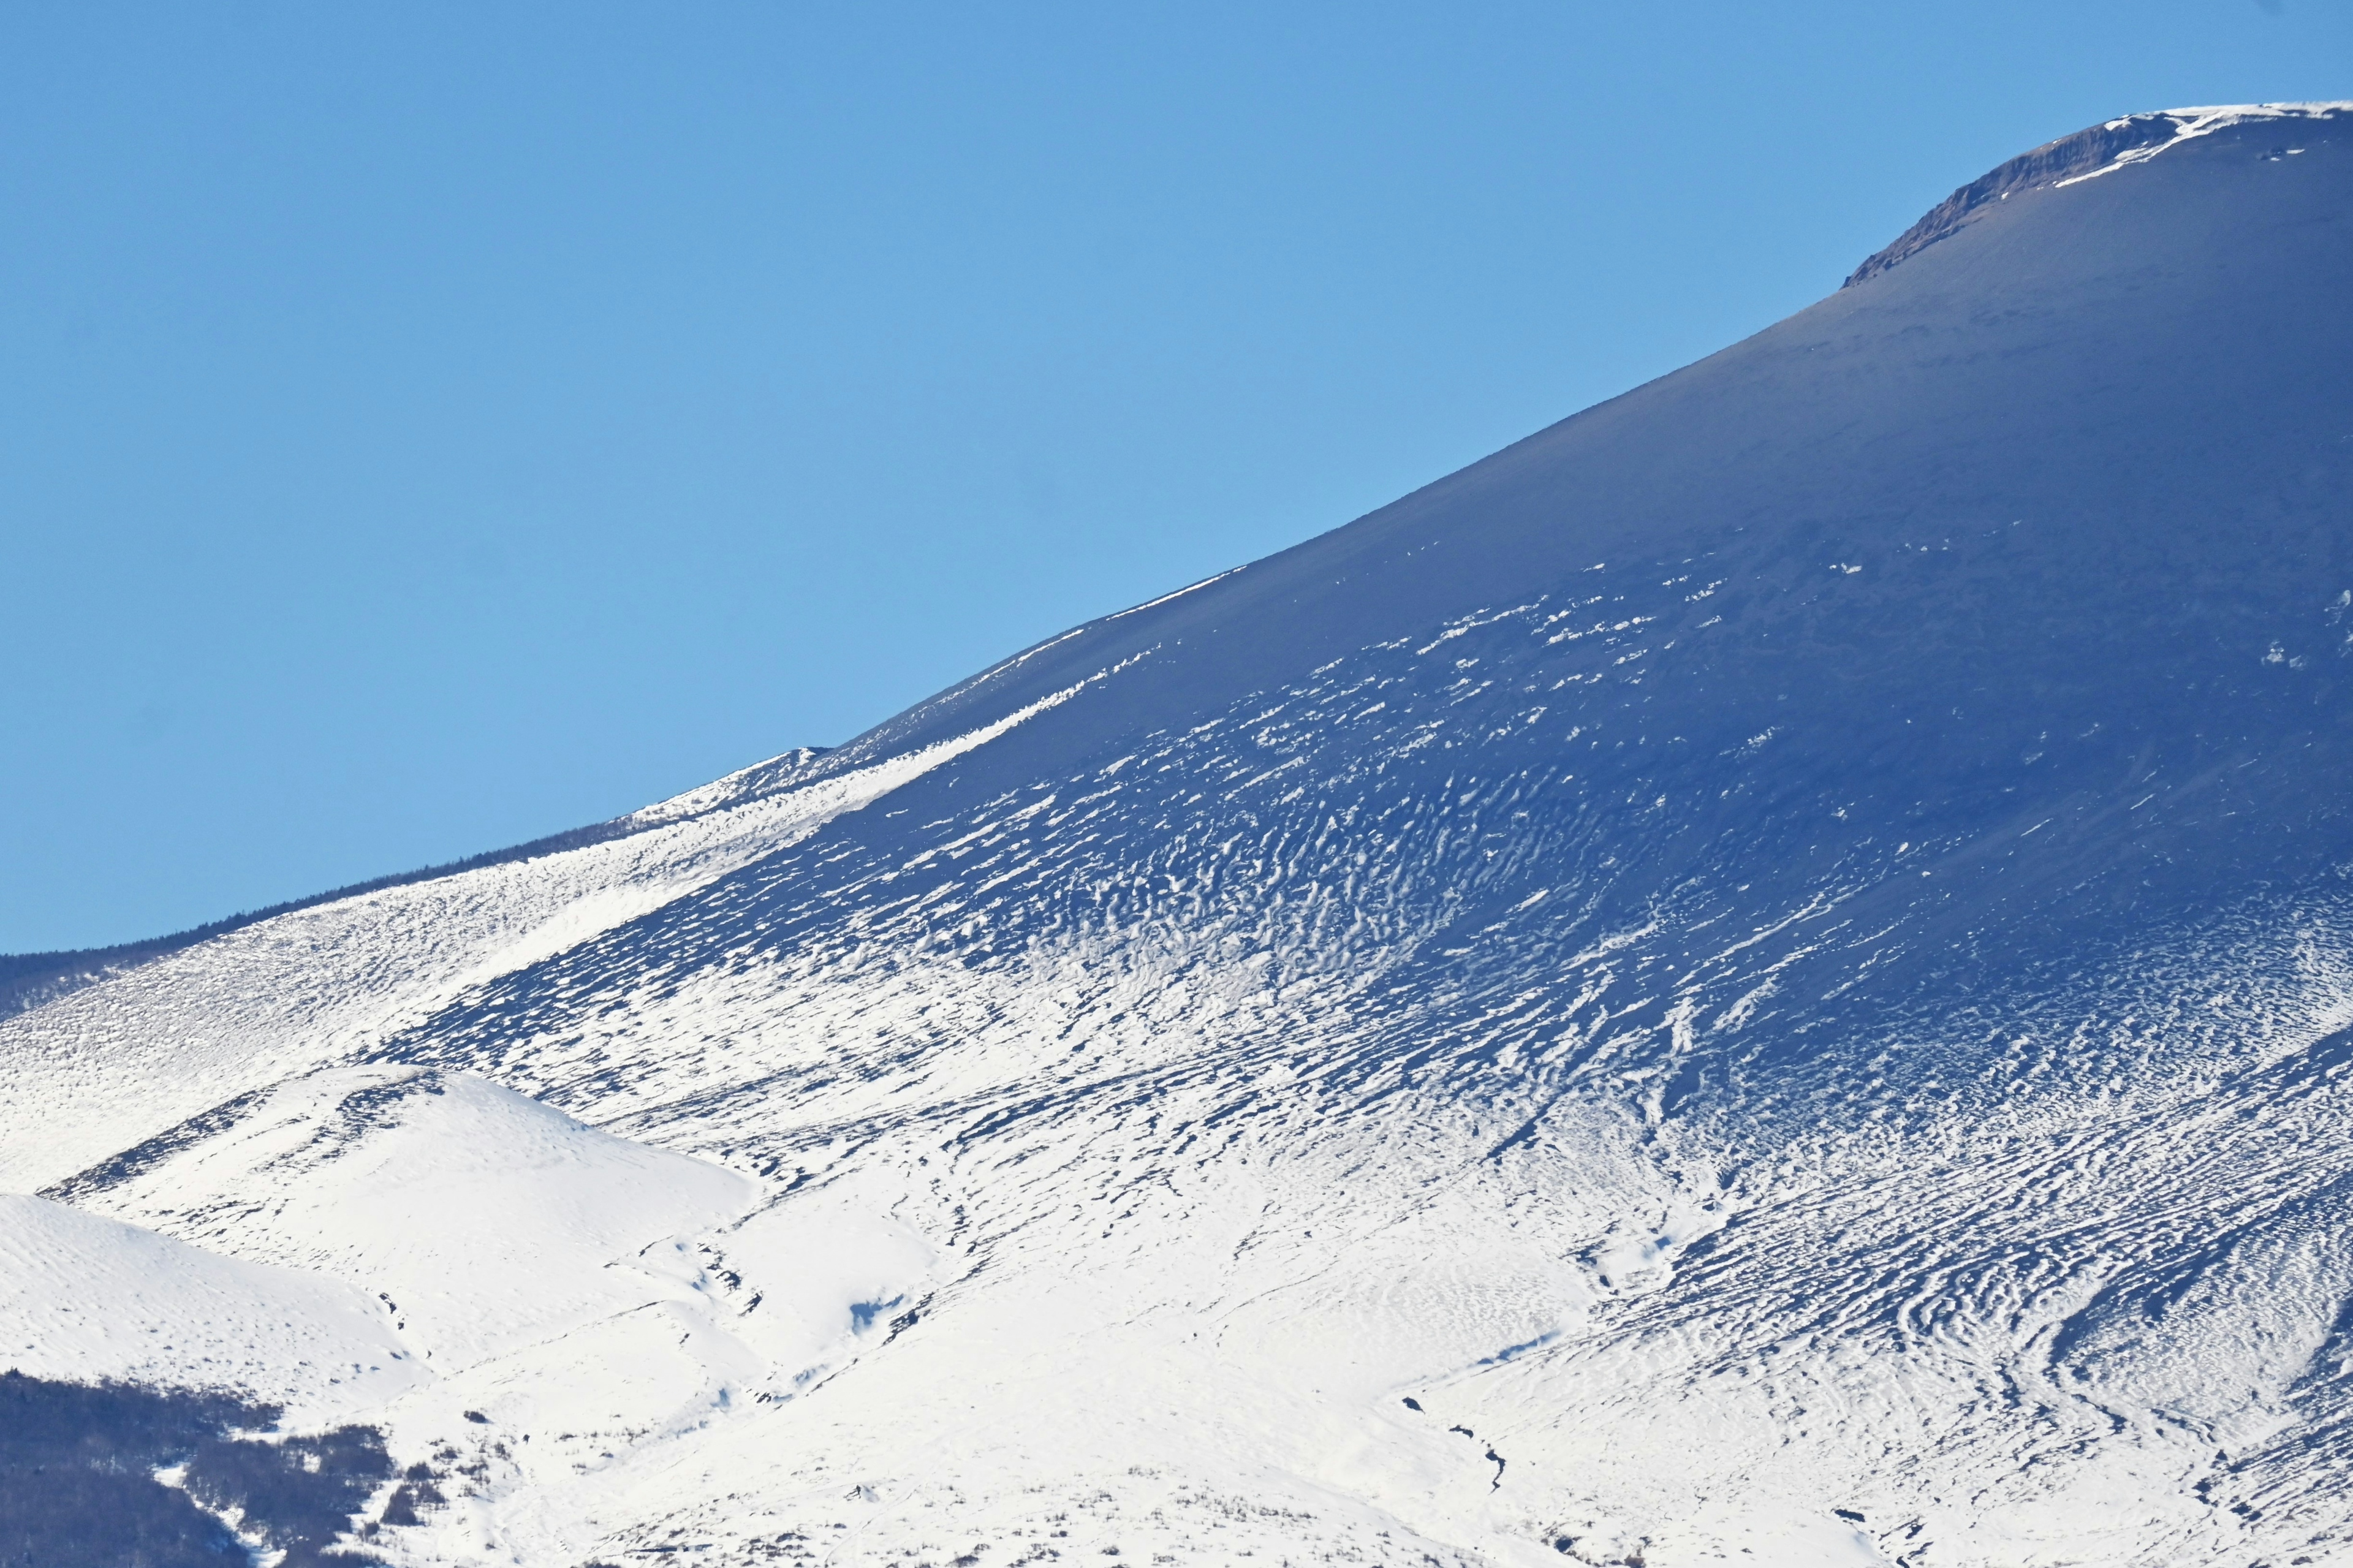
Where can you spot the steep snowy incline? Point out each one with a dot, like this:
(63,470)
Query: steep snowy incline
(170,1038)
(1763,976)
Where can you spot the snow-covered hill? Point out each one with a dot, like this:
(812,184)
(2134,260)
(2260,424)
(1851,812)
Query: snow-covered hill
(1765,975)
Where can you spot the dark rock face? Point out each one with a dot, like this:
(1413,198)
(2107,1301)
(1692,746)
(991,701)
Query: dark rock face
(2102,148)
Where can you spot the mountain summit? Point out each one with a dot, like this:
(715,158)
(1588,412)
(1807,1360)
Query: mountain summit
(1763,976)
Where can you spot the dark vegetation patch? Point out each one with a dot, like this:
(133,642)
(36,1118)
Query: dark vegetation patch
(416,1491)
(77,1487)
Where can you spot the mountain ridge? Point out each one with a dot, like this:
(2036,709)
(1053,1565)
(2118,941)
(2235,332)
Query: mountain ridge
(2099,150)
(2103,148)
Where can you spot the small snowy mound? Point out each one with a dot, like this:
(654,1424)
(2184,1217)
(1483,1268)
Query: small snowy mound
(84,1298)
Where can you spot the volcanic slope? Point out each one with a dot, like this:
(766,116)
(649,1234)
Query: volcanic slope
(1763,976)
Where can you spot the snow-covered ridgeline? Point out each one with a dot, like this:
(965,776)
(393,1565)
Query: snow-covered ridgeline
(169,1039)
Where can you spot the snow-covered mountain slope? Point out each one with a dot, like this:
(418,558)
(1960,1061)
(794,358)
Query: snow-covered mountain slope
(1765,975)
(88,1299)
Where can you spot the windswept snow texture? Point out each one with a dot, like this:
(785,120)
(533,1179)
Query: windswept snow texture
(1764,976)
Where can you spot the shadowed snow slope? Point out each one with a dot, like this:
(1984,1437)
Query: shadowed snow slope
(1765,975)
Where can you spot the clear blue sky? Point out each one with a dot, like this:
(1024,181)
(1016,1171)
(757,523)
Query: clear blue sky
(428,427)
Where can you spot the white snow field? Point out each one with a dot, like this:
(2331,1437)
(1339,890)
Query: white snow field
(1765,976)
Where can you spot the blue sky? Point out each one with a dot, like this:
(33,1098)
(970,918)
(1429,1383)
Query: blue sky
(431,427)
